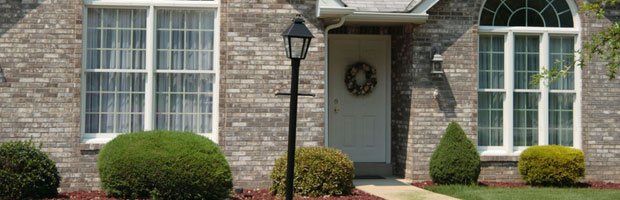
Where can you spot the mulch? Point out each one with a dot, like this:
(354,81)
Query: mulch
(258,194)
(264,194)
(592,185)
(83,195)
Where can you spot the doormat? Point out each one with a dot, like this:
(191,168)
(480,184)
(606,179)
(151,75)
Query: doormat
(369,177)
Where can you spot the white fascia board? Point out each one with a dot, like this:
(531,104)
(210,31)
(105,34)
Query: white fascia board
(417,18)
(327,12)
(353,15)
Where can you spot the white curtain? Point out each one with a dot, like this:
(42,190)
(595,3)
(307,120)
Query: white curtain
(561,119)
(185,42)
(114,100)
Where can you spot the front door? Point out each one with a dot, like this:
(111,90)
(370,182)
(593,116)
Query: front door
(358,125)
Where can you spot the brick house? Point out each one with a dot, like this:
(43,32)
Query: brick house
(75,73)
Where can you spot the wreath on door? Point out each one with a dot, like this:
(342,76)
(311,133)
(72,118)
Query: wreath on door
(351,82)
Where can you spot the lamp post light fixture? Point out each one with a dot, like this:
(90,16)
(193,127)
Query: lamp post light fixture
(297,39)
(436,62)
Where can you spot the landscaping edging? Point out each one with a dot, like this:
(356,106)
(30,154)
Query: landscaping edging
(593,185)
(257,194)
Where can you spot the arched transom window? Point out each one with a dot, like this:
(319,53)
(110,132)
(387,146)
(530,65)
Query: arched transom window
(520,39)
(537,13)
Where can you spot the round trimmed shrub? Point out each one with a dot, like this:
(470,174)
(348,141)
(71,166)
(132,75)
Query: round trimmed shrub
(551,165)
(26,172)
(456,160)
(164,165)
(319,171)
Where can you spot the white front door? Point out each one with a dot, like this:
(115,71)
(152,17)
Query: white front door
(359,125)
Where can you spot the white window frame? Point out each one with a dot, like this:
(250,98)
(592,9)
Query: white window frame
(151,29)
(544,33)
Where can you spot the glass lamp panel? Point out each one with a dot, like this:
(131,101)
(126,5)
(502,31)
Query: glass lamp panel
(306,47)
(297,47)
(287,46)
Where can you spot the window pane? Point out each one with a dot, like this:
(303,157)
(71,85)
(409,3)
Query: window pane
(116,39)
(561,56)
(533,13)
(561,119)
(525,116)
(112,99)
(185,40)
(526,61)
(491,62)
(490,118)
(183,100)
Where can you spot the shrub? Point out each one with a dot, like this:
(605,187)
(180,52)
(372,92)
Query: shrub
(456,160)
(319,171)
(551,165)
(164,165)
(26,172)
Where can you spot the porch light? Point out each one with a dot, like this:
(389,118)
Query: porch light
(436,62)
(297,39)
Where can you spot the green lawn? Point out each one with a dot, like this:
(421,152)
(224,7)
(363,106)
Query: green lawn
(526,193)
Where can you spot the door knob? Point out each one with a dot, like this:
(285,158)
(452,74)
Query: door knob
(337,109)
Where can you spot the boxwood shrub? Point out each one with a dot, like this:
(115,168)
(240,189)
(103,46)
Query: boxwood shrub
(26,172)
(551,165)
(319,171)
(456,160)
(164,165)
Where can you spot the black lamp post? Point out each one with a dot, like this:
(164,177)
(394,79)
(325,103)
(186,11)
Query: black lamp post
(296,42)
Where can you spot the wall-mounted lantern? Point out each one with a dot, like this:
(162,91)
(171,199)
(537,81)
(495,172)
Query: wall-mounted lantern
(436,62)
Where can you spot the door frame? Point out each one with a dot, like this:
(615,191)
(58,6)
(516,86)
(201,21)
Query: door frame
(388,96)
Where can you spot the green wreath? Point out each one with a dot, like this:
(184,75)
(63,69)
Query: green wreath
(371,79)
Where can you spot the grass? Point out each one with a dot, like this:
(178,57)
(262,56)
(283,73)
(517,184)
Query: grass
(524,193)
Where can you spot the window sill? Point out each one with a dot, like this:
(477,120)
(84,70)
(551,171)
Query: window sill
(98,140)
(499,158)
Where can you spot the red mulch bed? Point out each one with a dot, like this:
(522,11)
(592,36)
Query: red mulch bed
(82,195)
(246,195)
(592,185)
(264,194)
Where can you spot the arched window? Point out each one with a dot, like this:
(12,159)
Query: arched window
(519,39)
(537,13)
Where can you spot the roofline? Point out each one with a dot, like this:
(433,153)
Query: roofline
(415,18)
(417,14)
(424,6)
(353,15)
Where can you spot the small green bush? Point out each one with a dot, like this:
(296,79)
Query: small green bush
(26,172)
(164,165)
(551,165)
(319,171)
(456,160)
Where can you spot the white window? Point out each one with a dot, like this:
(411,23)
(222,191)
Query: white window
(149,65)
(519,39)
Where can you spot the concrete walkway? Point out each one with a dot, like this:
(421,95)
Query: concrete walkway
(396,189)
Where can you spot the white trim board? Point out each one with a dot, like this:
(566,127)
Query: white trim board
(544,34)
(149,110)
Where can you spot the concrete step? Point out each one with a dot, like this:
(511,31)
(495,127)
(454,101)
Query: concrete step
(370,170)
